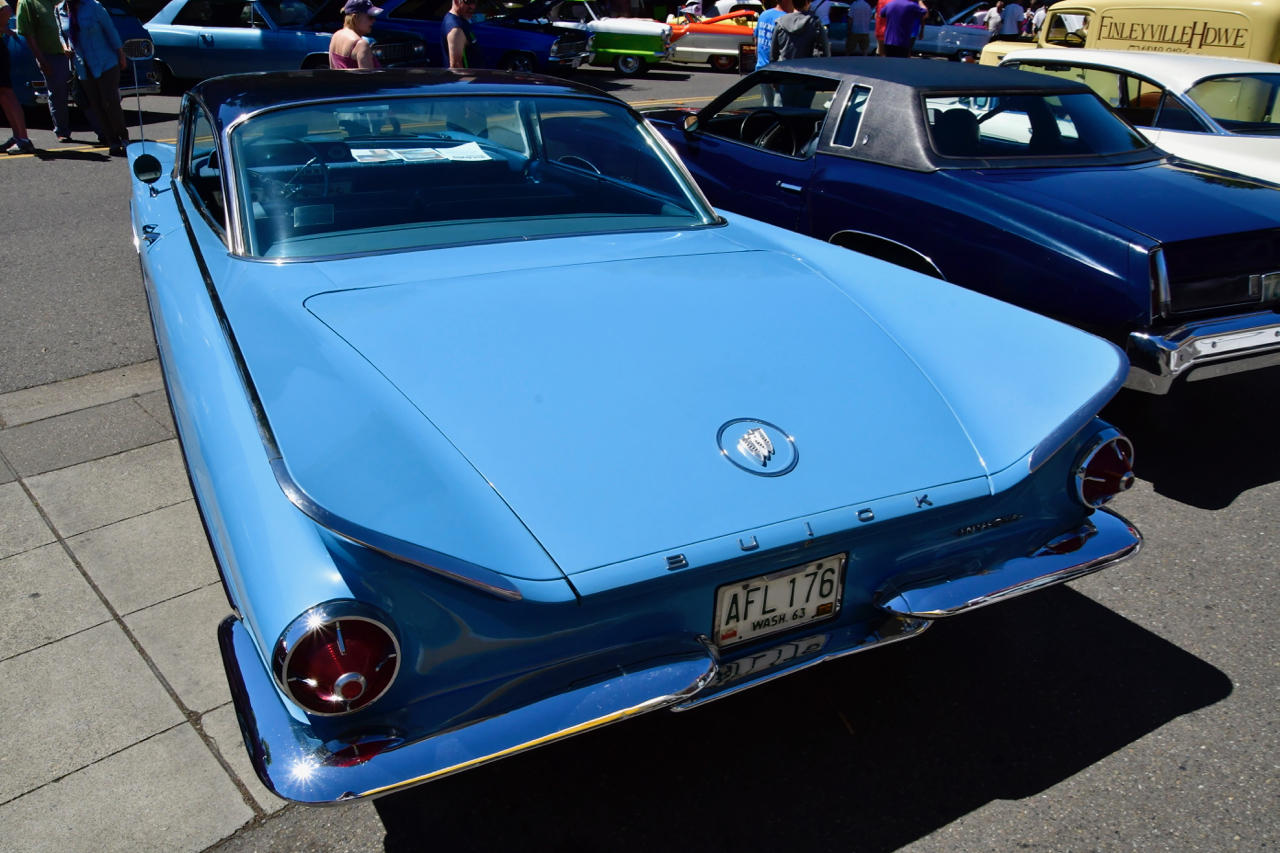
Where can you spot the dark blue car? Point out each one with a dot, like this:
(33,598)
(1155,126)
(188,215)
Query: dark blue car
(1015,185)
(139,78)
(511,39)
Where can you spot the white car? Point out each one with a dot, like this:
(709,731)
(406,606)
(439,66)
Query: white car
(1221,112)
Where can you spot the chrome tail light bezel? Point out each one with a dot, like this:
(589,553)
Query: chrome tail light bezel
(317,618)
(1108,441)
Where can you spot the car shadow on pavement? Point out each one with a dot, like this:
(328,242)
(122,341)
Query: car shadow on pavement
(864,754)
(51,154)
(1205,443)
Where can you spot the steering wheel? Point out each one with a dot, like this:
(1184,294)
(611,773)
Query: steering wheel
(766,129)
(288,189)
(579,162)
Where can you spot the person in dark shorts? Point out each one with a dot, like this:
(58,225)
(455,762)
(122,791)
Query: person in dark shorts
(18,143)
(902,18)
(457,40)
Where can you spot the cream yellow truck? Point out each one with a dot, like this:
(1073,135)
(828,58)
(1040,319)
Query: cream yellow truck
(1240,29)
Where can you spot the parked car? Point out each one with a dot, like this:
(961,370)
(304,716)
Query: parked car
(500,433)
(955,38)
(1021,186)
(713,41)
(1236,29)
(511,39)
(629,45)
(139,78)
(198,39)
(1202,108)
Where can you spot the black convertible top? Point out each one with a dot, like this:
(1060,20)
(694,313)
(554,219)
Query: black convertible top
(928,75)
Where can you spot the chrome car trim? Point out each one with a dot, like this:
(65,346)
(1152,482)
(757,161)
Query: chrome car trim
(892,631)
(441,564)
(433,561)
(1226,344)
(296,762)
(926,594)
(347,610)
(928,260)
(1164,297)
(1082,416)
(1096,444)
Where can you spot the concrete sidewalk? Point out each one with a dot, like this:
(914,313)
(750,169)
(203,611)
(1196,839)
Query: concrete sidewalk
(124,738)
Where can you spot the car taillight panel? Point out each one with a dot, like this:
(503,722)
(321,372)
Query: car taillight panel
(337,658)
(1104,468)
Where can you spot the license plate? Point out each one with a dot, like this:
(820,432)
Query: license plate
(785,653)
(577,62)
(769,604)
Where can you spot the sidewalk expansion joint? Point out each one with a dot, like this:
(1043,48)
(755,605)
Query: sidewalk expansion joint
(193,719)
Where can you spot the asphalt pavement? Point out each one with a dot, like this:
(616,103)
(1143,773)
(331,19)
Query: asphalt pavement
(1132,710)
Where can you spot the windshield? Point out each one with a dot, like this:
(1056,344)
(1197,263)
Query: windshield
(994,126)
(1243,104)
(394,174)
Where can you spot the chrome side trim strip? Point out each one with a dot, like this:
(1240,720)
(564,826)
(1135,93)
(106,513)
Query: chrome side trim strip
(1107,540)
(928,260)
(1082,416)
(458,570)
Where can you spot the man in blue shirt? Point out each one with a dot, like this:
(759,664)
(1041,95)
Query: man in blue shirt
(764,30)
(457,41)
(902,16)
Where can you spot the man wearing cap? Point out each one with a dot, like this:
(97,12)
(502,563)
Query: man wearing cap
(457,41)
(348,47)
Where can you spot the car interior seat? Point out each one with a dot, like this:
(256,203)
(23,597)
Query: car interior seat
(955,133)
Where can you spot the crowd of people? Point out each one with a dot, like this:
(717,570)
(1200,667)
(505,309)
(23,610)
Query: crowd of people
(72,34)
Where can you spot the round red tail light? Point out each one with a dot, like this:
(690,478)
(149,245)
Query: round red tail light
(1104,469)
(337,658)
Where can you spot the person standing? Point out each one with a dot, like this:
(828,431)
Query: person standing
(38,24)
(858,40)
(1037,17)
(881,23)
(902,20)
(98,53)
(18,143)
(798,35)
(764,28)
(995,16)
(348,47)
(457,40)
(1011,18)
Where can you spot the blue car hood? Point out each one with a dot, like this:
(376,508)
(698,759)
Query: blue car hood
(590,396)
(1164,201)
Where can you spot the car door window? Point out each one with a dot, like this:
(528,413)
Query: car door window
(197,13)
(1174,115)
(847,132)
(1067,29)
(774,111)
(201,170)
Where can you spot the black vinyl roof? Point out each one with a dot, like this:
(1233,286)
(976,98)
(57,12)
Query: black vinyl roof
(930,75)
(228,98)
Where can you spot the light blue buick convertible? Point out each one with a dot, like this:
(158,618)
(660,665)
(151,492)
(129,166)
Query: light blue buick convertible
(501,433)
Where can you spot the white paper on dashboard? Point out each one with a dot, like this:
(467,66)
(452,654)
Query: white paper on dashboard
(375,155)
(469,151)
(418,155)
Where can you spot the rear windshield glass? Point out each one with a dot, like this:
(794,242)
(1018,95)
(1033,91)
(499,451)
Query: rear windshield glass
(1243,104)
(998,126)
(351,177)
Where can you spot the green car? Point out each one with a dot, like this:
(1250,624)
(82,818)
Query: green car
(630,45)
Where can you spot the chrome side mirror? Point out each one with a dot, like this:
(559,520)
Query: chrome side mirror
(690,123)
(147,168)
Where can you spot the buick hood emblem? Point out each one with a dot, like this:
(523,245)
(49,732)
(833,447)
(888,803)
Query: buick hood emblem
(757,447)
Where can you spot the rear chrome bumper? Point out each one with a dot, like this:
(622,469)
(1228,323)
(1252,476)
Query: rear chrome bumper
(1203,350)
(1103,540)
(292,760)
(295,761)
